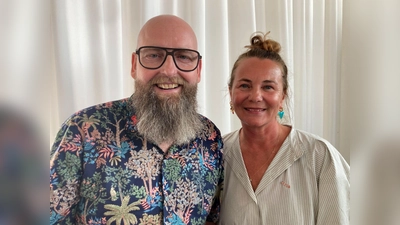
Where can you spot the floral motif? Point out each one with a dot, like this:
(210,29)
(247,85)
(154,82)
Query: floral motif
(103,172)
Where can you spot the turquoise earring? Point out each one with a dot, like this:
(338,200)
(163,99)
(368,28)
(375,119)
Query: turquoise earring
(281,113)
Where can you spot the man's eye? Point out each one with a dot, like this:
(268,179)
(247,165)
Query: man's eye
(153,56)
(184,58)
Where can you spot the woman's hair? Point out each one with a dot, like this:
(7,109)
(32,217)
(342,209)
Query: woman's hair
(263,48)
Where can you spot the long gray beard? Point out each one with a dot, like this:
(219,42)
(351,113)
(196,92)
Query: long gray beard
(167,119)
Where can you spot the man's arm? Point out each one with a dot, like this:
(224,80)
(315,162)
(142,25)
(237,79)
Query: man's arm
(210,223)
(65,174)
(216,207)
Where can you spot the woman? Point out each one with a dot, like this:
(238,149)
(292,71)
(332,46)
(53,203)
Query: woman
(274,173)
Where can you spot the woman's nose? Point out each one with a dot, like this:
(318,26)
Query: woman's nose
(255,95)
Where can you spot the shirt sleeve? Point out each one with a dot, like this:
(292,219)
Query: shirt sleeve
(65,173)
(334,189)
(216,207)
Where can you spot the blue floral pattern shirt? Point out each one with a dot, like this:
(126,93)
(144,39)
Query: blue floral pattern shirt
(102,171)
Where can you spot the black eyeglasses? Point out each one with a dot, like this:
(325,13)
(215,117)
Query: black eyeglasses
(152,57)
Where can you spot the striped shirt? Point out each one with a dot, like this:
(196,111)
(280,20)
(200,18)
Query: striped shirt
(306,183)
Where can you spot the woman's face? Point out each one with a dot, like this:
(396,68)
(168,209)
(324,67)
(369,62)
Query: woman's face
(257,91)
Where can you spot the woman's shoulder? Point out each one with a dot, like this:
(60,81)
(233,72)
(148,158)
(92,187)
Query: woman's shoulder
(318,148)
(309,140)
(230,140)
(231,136)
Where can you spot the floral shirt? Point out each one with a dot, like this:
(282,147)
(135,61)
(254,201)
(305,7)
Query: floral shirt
(102,171)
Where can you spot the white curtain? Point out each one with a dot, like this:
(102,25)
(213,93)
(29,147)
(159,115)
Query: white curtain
(344,72)
(94,40)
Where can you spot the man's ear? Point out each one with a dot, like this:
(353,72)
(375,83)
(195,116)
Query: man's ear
(198,69)
(133,69)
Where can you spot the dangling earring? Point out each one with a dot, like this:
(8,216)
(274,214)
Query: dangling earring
(232,109)
(281,113)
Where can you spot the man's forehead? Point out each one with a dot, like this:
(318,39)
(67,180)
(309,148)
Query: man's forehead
(176,34)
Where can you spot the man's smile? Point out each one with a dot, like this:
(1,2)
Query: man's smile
(167,86)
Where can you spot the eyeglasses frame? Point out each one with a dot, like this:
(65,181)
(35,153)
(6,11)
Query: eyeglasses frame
(169,51)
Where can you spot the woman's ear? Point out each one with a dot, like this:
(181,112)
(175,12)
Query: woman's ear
(283,102)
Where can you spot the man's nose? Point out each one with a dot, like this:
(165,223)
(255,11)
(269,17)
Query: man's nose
(169,67)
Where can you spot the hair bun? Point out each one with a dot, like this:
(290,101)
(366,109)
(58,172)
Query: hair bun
(260,41)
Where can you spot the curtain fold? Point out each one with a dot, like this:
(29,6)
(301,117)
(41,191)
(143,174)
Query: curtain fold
(94,40)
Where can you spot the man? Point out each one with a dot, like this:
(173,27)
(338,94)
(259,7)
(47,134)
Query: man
(147,159)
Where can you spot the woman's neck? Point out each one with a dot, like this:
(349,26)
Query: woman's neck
(259,135)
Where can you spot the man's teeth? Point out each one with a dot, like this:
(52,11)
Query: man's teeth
(167,86)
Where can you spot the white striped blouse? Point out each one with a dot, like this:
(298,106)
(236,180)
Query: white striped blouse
(308,182)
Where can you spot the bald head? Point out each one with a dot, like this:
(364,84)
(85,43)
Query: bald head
(167,31)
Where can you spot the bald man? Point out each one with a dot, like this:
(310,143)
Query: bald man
(147,159)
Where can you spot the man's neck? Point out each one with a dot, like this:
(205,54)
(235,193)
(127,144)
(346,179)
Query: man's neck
(165,145)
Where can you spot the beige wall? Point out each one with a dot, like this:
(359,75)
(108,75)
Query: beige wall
(370,72)
(371,108)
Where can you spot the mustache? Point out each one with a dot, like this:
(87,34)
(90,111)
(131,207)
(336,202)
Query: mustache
(162,79)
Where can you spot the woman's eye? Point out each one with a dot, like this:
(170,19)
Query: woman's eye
(244,86)
(269,87)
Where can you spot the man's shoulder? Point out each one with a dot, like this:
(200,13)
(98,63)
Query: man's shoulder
(210,125)
(116,106)
(205,119)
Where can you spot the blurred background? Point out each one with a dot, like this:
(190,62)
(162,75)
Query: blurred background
(24,111)
(57,57)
